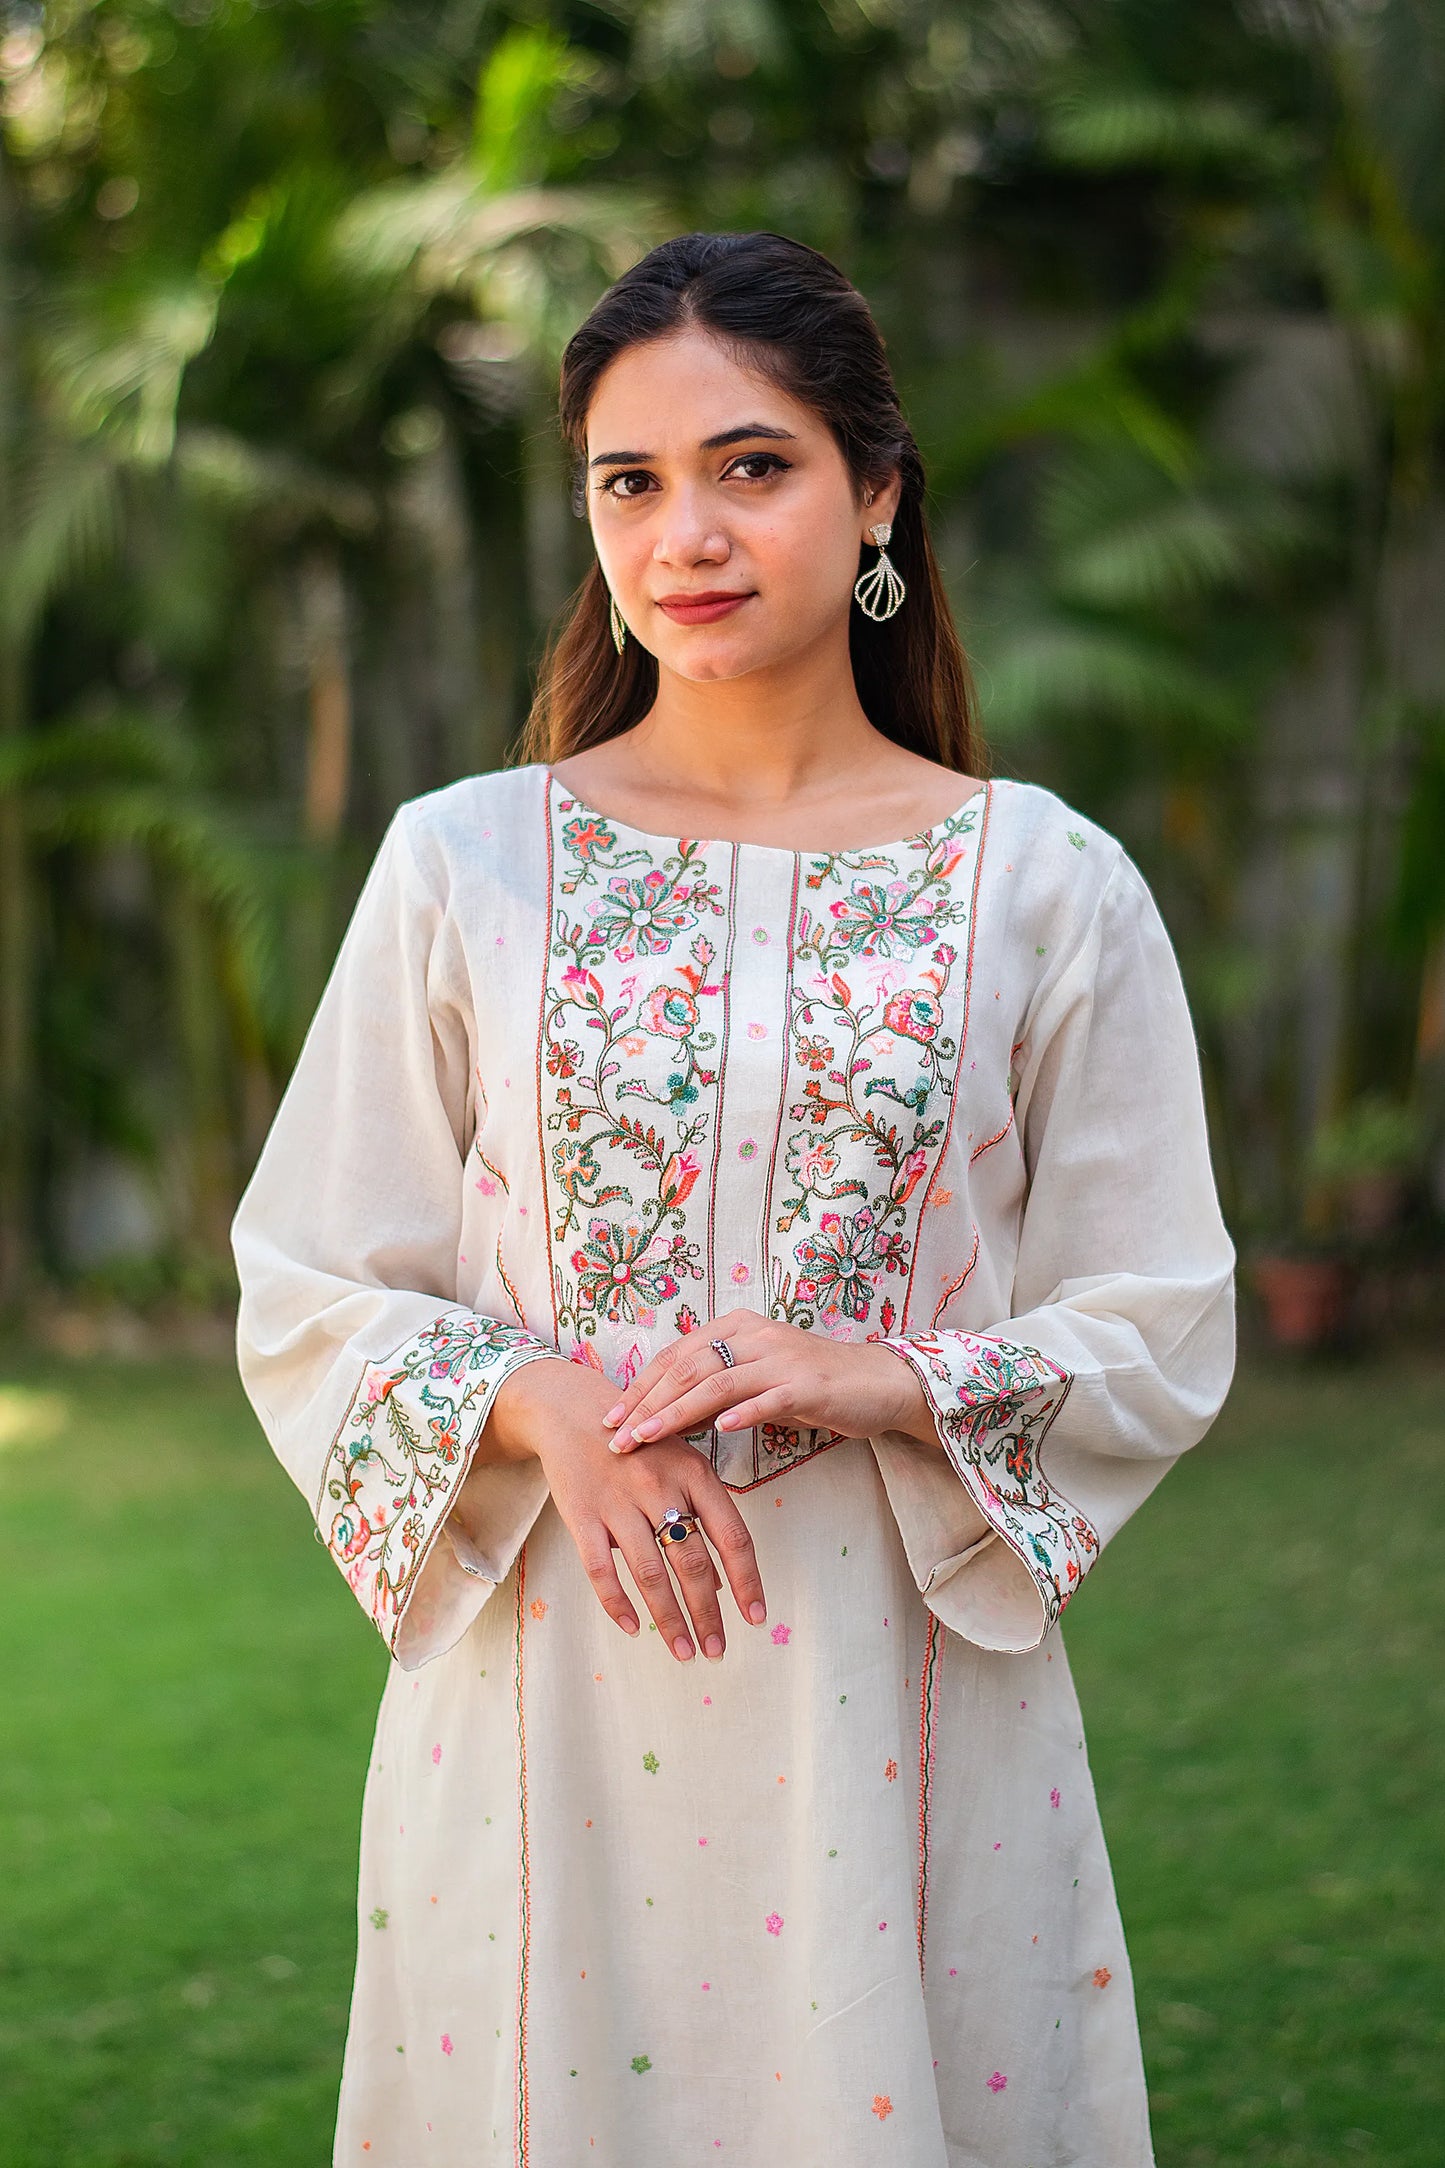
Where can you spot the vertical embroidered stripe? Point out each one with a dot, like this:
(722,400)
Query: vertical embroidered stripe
(724,1042)
(958,1071)
(523,1891)
(927,1714)
(543,974)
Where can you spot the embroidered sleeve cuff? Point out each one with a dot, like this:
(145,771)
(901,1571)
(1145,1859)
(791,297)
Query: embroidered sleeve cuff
(993,1402)
(400,1456)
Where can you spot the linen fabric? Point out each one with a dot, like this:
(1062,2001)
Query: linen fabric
(572,1089)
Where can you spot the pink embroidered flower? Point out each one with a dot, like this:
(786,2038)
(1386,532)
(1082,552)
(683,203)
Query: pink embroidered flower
(997,2082)
(539,1608)
(782,1634)
(378,1384)
(1054,1796)
(350,1533)
(678,1178)
(914,1015)
(908,1177)
(890,1769)
(436,1754)
(670,1011)
(446,2043)
(774,1923)
(882,2105)
(740,1274)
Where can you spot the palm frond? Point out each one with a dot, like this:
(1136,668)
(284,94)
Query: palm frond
(68,525)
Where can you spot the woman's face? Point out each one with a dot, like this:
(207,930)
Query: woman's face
(706,481)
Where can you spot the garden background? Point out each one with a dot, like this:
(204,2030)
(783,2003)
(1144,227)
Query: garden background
(283,518)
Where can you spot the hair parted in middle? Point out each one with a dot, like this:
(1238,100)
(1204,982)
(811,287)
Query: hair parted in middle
(786,312)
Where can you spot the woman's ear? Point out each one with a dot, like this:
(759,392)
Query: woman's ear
(882,507)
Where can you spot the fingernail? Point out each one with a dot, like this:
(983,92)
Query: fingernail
(646,1428)
(614,1415)
(713,1645)
(617,1444)
(682,1647)
(629,1625)
(757,1612)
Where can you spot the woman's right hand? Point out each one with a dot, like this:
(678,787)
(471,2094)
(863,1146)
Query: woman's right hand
(552,1411)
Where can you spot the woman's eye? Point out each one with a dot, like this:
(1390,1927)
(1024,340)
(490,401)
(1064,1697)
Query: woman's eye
(768,462)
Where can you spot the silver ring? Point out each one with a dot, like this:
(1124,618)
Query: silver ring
(720,1347)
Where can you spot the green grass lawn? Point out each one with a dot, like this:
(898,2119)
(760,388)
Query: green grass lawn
(191,1693)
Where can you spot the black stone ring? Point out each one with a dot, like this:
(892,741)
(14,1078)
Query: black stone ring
(675,1526)
(720,1347)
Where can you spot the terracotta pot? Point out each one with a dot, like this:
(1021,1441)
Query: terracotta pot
(1307,1300)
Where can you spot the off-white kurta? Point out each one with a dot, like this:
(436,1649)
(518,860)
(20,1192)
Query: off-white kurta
(841,1899)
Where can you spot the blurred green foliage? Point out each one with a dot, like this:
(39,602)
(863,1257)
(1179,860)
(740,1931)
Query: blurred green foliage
(283,515)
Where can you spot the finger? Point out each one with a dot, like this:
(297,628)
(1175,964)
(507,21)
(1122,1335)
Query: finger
(594,1547)
(639,1546)
(701,1405)
(671,1374)
(645,1379)
(692,1564)
(727,1532)
(773,1406)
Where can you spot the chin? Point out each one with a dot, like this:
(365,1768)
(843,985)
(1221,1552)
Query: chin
(718,663)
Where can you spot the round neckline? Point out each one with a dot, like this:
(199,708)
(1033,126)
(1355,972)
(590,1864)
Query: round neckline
(774,850)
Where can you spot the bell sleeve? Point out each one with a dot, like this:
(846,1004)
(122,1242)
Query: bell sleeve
(371,1380)
(1059,1420)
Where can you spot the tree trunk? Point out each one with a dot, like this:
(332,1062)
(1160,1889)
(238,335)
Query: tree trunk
(17,914)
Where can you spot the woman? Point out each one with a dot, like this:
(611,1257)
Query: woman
(834,1115)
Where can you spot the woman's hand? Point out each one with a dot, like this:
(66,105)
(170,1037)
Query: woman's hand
(552,1411)
(779,1374)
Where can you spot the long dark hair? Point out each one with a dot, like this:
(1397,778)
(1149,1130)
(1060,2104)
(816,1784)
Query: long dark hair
(789,313)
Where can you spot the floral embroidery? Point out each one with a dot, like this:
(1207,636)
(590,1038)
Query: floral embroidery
(627,1032)
(997,2082)
(1103,1976)
(994,1402)
(650,1763)
(634,1017)
(876,1060)
(882,2105)
(641,2063)
(774,1923)
(402,1448)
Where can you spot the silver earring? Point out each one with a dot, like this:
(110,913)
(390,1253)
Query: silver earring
(879,591)
(614,619)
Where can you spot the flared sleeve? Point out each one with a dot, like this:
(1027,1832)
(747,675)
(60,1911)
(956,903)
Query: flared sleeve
(1061,1418)
(370,1379)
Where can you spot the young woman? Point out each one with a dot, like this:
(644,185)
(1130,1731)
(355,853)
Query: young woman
(739,1239)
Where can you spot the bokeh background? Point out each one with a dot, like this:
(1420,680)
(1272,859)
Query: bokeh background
(283,519)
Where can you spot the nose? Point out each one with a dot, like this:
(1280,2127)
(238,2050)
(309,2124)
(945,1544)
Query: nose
(689,533)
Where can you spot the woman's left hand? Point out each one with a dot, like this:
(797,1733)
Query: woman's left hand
(779,1374)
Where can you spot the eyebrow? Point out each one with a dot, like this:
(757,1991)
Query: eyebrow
(708,444)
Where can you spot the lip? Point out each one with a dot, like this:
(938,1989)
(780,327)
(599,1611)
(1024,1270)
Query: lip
(702,609)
